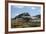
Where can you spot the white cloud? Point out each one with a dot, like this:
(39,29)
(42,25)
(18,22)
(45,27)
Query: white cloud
(18,6)
(33,8)
(17,14)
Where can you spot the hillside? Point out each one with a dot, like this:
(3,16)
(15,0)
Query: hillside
(25,20)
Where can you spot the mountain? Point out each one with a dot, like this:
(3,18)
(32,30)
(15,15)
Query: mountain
(25,20)
(38,16)
(23,14)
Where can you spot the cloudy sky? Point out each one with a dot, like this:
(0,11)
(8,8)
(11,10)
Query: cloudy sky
(32,10)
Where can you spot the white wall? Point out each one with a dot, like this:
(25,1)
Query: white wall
(2,23)
(2,18)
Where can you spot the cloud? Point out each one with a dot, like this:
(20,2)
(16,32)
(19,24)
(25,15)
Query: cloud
(18,6)
(16,14)
(33,8)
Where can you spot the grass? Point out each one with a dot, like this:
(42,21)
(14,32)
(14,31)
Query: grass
(22,24)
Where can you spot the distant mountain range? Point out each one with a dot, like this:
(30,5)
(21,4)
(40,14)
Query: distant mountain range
(26,15)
